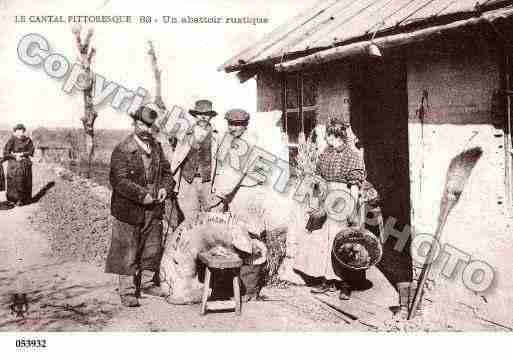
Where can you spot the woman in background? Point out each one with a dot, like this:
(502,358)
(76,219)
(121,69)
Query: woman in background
(342,168)
(18,150)
(2,175)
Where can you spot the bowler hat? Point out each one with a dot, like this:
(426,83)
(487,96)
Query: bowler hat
(145,114)
(237,117)
(203,107)
(19,126)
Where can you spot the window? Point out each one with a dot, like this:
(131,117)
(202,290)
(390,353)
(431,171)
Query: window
(300,92)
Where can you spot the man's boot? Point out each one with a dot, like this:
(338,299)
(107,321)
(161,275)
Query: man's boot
(404,297)
(155,289)
(127,291)
(156,278)
(137,284)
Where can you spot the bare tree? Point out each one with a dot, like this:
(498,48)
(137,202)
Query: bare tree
(86,55)
(156,73)
(161,131)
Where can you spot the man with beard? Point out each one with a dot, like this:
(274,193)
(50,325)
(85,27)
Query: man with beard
(141,180)
(18,150)
(191,162)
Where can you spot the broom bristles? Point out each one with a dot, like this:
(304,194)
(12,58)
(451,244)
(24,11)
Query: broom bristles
(457,175)
(459,170)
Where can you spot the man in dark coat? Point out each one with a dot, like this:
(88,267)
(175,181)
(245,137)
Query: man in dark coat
(141,180)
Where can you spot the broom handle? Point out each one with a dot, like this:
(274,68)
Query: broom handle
(444,213)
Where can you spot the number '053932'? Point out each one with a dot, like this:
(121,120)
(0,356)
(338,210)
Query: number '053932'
(30,343)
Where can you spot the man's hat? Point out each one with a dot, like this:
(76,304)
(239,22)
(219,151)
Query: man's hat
(145,114)
(19,126)
(237,117)
(203,107)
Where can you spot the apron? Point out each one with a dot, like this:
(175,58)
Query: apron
(313,252)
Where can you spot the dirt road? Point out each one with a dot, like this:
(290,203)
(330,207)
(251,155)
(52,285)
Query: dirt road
(68,295)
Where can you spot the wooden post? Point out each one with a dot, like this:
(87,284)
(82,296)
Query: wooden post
(236,291)
(206,291)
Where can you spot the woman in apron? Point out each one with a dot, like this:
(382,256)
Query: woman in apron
(18,150)
(342,169)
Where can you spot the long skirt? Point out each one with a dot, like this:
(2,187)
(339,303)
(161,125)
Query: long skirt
(19,181)
(313,255)
(2,178)
(314,251)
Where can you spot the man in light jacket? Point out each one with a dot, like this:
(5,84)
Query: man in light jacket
(192,160)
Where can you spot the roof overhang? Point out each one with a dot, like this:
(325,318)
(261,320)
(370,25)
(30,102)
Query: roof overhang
(386,42)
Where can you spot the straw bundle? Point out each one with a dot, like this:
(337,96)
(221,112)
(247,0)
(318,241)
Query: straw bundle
(307,155)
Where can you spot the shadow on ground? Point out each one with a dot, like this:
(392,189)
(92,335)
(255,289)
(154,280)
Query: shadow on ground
(42,192)
(6,205)
(53,303)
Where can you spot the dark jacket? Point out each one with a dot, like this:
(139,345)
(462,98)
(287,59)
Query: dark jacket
(129,181)
(2,177)
(19,145)
(199,160)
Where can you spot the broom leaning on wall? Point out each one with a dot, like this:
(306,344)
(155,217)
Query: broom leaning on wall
(458,174)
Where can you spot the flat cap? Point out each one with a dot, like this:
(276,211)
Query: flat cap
(237,117)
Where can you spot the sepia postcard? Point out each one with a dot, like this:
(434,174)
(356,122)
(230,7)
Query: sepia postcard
(273,165)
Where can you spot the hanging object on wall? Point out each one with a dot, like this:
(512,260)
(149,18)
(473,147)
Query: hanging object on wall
(421,114)
(423,107)
(374,51)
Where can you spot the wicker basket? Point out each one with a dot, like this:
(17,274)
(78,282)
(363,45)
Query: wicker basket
(363,237)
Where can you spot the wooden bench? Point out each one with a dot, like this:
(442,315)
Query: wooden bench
(217,265)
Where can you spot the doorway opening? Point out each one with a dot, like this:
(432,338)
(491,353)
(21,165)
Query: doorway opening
(379,117)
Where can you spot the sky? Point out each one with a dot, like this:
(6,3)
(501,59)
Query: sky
(188,54)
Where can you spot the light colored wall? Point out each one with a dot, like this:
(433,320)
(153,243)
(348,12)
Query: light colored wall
(460,88)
